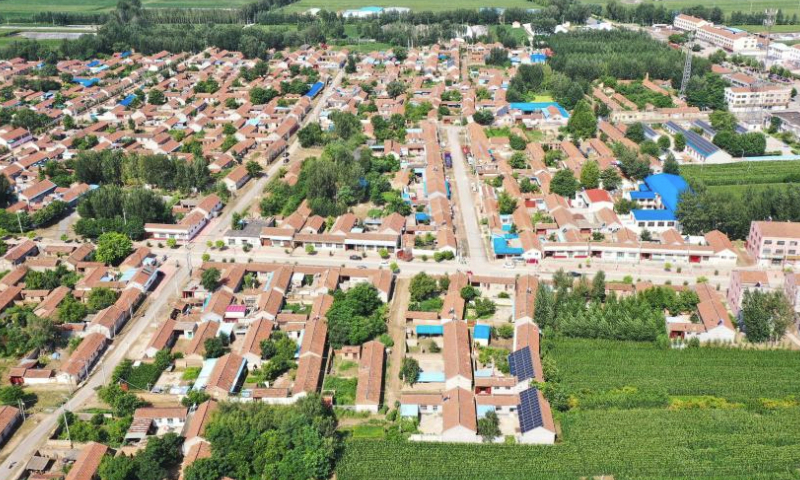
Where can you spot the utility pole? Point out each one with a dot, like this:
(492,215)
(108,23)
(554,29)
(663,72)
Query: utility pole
(66,426)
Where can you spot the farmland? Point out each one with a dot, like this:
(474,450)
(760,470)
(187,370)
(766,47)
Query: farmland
(736,375)
(744,173)
(741,440)
(18,9)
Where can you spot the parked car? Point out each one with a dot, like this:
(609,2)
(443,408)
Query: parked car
(355,257)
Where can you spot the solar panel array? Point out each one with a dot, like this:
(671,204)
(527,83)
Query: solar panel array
(521,364)
(529,410)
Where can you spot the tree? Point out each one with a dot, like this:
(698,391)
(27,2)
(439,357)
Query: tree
(518,161)
(210,279)
(635,132)
(679,142)
(564,183)
(469,293)
(583,123)
(311,135)
(194,397)
(671,165)
(610,178)
(599,287)
(117,468)
(646,236)
(423,287)
(489,427)
(483,117)
(11,395)
(765,315)
(516,142)
(310,249)
(395,88)
(722,120)
(400,53)
(409,371)
(113,247)
(590,175)
(254,168)
(664,142)
(506,204)
(214,348)
(261,96)
(6,192)
(355,316)
(71,310)
(156,97)
(484,307)
(497,56)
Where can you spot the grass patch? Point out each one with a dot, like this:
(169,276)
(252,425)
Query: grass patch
(344,389)
(191,374)
(775,28)
(371,432)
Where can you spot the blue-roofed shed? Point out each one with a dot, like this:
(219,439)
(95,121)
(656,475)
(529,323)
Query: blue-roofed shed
(501,247)
(669,187)
(430,330)
(529,107)
(482,333)
(315,89)
(538,58)
(642,195)
(86,82)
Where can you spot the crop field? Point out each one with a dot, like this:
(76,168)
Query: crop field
(11,9)
(734,374)
(736,440)
(744,173)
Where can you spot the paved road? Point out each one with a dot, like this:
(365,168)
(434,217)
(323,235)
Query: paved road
(116,352)
(466,202)
(252,195)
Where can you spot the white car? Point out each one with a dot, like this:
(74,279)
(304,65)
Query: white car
(509,265)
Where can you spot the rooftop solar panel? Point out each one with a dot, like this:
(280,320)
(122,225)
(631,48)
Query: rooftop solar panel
(521,364)
(529,410)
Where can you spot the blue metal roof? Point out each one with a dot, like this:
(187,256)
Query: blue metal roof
(669,187)
(653,215)
(430,330)
(421,217)
(315,89)
(642,195)
(482,332)
(538,58)
(86,82)
(538,106)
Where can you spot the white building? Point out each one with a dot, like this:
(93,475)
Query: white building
(728,39)
(771,97)
(688,23)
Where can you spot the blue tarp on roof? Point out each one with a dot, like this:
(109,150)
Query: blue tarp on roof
(315,89)
(430,330)
(538,106)
(538,58)
(653,215)
(501,247)
(431,377)
(86,82)
(482,332)
(93,63)
(125,54)
(421,217)
(669,187)
(127,100)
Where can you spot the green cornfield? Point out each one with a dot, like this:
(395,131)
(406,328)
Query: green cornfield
(656,442)
(734,374)
(744,173)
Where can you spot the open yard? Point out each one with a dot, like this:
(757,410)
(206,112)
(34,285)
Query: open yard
(21,9)
(744,438)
